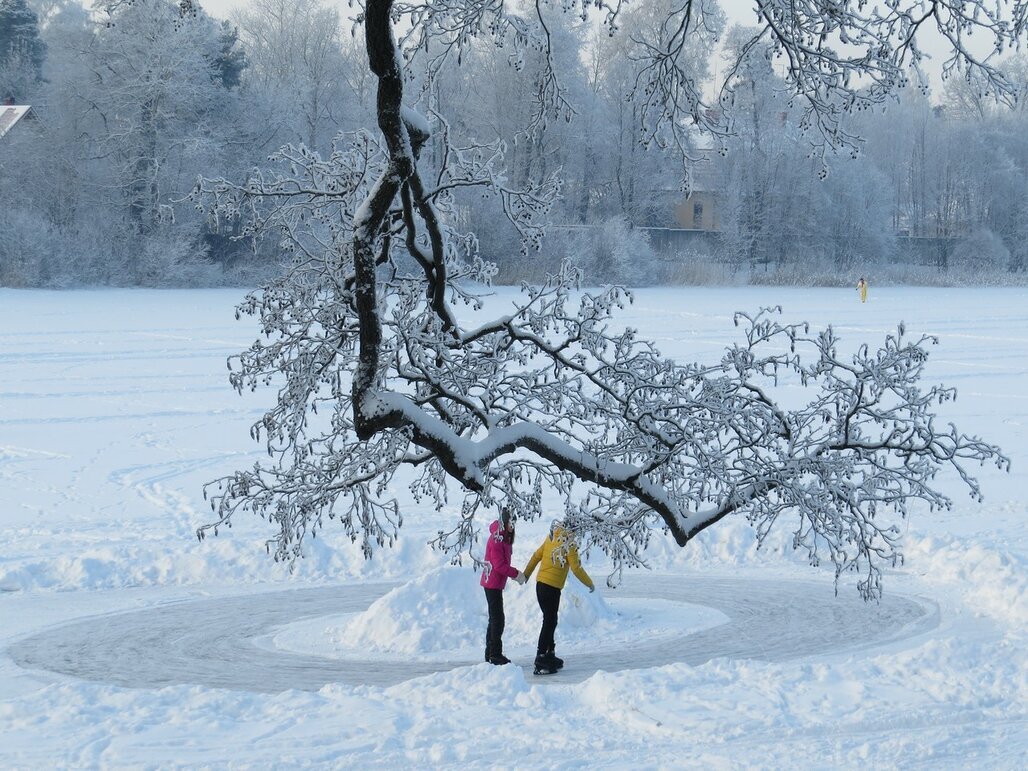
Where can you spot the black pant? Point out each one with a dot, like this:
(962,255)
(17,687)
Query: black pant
(494,632)
(549,604)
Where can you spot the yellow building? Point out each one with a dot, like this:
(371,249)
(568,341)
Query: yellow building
(699,211)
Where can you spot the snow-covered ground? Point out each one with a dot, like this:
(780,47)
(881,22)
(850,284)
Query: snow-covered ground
(115,409)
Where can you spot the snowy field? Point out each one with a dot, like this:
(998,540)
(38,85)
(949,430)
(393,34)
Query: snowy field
(125,643)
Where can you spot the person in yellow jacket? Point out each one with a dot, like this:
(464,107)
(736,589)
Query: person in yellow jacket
(862,288)
(554,558)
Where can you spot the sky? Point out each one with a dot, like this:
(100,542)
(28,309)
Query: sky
(737,11)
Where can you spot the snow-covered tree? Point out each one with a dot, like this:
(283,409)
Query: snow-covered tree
(631,175)
(298,61)
(22,50)
(156,88)
(153,104)
(378,371)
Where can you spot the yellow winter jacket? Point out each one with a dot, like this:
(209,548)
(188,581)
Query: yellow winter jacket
(554,562)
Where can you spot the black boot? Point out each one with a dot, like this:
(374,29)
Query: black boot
(498,659)
(552,656)
(545,665)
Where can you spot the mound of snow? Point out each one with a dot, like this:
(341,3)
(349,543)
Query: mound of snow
(993,581)
(435,612)
(134,561)
(442,616)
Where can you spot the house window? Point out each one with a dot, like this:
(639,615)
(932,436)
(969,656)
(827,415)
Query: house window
(697,214)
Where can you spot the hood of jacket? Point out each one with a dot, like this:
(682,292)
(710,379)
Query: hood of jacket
(497,533)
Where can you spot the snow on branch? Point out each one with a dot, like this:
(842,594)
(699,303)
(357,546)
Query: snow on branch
(377,369)
(548,396)
(841,57)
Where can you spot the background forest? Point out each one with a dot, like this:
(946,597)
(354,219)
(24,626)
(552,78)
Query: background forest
(132,102)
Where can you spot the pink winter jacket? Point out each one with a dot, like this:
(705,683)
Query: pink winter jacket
(497,554)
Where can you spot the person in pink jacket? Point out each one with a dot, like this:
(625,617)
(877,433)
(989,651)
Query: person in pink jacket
(498,551)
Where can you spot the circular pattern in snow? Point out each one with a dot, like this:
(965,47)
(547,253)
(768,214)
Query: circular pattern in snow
(441,616)
(211,642)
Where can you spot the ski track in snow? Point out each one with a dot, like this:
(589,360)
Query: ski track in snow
(212,642)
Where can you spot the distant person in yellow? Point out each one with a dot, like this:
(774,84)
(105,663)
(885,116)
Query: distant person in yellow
(862,288)
(557,554)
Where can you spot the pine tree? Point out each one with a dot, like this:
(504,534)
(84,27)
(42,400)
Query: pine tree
(22,50)
(231,60)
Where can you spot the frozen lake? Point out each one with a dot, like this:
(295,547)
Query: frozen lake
(115,409)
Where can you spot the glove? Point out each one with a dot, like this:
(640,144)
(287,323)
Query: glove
(592,589)
(521,578)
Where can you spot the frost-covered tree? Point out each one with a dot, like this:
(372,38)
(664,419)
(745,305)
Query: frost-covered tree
(155,91)
(379,369)
(153,103)
(297,59)
(22,50)
(641,157)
